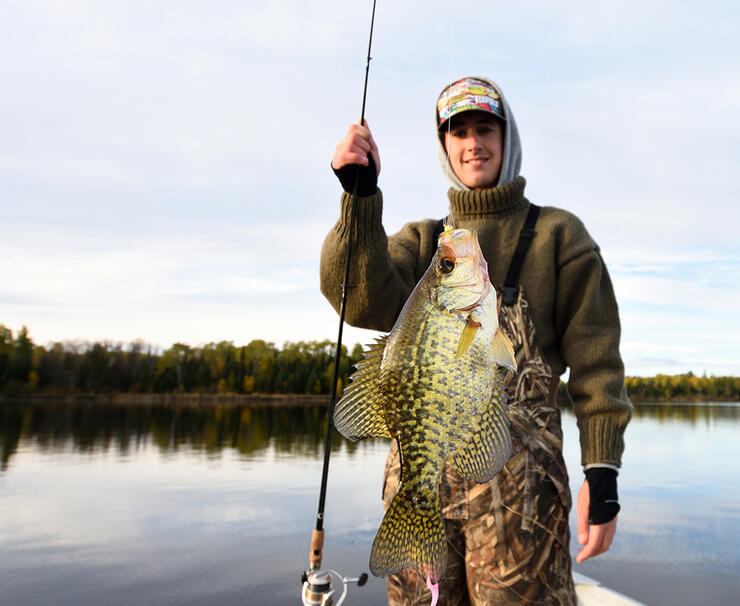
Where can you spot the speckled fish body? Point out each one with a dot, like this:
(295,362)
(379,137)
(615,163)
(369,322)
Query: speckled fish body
(433,384)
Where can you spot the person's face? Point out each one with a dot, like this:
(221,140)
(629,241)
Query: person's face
(475,142)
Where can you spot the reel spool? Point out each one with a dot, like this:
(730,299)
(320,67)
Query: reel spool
(317,589)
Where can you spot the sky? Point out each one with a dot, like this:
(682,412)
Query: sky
(164,166)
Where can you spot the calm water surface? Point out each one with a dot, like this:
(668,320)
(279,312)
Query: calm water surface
(154,505)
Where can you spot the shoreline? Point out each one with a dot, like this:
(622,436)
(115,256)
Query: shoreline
(232,399)
(171,399)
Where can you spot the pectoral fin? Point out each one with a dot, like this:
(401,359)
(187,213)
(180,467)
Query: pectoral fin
(467,336)
(503,352)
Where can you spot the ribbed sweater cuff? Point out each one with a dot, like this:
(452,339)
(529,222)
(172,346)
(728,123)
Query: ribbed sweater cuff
(602,441)
(368,215)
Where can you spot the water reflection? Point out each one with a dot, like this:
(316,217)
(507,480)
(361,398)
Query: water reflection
(296,430)
(690,412)
(153,520)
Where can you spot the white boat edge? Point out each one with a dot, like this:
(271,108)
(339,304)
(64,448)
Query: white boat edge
(590,592)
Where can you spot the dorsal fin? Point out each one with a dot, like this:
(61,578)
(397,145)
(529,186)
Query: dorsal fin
(360,413)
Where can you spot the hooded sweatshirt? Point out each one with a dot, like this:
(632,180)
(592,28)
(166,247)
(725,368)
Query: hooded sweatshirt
(564,278)
(512,156)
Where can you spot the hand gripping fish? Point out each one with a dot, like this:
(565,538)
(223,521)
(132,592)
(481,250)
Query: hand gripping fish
(434,385)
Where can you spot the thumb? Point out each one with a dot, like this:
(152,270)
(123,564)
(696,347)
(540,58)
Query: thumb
(582,507)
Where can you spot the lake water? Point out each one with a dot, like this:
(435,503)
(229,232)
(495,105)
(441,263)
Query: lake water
(156,505)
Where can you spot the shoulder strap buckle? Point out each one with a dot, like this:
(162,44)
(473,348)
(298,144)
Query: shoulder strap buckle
(510,295)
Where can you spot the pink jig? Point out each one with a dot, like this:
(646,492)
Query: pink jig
(434,588)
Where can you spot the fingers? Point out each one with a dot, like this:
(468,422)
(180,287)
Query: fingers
(596,539)
(354,148)
(582,505)
(599,540)
(373,148)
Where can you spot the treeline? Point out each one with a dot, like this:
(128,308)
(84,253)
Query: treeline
(259,367)
(256,368)
(684,387)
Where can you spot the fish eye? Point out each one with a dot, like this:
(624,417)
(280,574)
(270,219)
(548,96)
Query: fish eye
(446,265)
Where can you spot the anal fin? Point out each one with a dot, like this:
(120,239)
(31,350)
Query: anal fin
(489,447)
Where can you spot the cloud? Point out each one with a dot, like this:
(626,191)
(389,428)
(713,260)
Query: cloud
(255,260)
(165,167)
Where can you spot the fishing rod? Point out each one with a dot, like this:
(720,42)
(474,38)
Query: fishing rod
(317,584)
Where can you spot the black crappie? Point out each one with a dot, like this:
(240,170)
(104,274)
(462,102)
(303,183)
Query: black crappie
(432,385)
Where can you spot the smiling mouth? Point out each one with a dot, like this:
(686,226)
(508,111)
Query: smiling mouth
(476,161)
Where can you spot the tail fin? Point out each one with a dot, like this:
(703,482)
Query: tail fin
(412,535)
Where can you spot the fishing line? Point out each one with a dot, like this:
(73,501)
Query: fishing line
(449,122)
(317,538)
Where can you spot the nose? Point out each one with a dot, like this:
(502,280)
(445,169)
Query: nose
(472,139)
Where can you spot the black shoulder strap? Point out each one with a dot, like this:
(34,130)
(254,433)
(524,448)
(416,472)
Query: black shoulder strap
(511,288)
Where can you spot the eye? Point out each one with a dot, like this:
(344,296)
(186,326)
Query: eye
(446,265)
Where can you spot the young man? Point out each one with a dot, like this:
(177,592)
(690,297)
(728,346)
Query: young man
(508,539)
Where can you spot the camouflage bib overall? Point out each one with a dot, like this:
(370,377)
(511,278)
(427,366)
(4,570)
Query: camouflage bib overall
(508,539)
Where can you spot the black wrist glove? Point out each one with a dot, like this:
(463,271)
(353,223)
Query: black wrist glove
(368,181)
(602,488)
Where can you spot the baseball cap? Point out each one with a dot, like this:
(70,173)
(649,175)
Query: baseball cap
(468,94)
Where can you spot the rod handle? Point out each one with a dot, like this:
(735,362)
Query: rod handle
(317,545)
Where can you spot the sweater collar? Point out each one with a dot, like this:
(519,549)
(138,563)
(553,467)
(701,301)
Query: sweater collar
(500,200)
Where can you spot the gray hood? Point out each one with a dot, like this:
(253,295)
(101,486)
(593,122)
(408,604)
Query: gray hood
(512,162)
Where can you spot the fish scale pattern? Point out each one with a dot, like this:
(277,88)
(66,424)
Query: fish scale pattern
(437,398)
(438,405)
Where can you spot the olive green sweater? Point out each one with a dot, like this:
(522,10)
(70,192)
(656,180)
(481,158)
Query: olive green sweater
(564,279)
